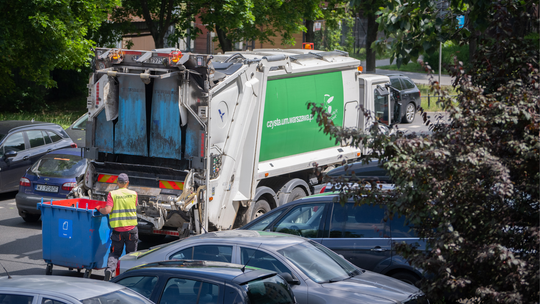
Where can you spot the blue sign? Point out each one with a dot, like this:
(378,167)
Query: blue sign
(461,21)
(65,228)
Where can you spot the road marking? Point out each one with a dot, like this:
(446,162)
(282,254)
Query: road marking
(32,252)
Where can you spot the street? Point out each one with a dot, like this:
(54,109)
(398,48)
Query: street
(21,242)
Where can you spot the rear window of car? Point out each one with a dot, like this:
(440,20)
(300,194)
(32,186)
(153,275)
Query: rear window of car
(408,83)
(59,165)
(55,137)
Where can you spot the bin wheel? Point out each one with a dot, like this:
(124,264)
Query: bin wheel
(70,268)
(48,270)
(78,270)
(87,273)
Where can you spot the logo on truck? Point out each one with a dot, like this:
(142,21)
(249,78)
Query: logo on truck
(327,105)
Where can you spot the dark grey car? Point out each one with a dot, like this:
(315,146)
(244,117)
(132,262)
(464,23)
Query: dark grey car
(315,273)
(22,143)
(358,233)
(406,93)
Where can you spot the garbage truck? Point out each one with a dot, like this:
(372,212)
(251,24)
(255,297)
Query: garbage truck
(210,142)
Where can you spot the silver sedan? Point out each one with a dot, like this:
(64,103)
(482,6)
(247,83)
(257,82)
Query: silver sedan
(66,290)
(315,273)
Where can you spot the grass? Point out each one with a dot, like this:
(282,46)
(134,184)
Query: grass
(429,99)
(63,113)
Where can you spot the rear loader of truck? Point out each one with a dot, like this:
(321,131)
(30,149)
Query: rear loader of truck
(211,142)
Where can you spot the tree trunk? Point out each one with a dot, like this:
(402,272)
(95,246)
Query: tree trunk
(224,42)
(310,34)
(372,30)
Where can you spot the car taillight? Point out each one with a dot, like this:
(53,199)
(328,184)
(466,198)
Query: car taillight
(25,182)
(74,145)
(323,189)
(68,186)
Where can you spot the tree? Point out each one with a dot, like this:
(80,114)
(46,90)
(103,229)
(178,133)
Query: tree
(471,188)
(236,21)
(40,36)
(369,10)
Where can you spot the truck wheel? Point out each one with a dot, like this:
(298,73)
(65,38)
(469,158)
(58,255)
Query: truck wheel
(406,277)
(296,193)
(30,218)
(261,207)
(410,112)
(152,238)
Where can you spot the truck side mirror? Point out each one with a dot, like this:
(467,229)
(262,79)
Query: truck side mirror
(382,91)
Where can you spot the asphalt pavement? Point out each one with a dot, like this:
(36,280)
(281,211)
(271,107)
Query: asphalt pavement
(419,78)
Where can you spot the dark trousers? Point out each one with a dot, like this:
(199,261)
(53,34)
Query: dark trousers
(129,239)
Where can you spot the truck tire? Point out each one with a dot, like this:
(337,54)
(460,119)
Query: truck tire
(296,193)
(410,112)
(261,207)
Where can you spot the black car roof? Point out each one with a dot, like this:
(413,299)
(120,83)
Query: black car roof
(11,125)
(227,272)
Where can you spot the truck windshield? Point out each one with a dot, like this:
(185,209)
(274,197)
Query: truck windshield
(59,165)
(319,263)
(272,290)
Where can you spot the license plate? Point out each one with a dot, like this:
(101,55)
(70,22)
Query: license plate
(46,188)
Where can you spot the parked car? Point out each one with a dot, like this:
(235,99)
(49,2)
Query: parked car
(50,178)
(77,130)
(46,289)
(315,273)
(357,171)
(359,233)
(407,93)
(22,143)
(206,282)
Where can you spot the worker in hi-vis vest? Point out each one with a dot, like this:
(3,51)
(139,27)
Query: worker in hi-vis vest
(122,209)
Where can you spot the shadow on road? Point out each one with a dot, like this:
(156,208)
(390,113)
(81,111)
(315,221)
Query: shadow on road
(18,222)
(8,195)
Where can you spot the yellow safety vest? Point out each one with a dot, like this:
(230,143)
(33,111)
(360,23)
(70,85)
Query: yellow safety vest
(124,212)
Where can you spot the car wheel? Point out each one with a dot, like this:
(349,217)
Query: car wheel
(30,218)
(406,277)
(48,269)
(152,238)
(410,112)
(261,207)
(296,193)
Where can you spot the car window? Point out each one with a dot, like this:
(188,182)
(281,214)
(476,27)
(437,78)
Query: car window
(304,220)
(399,229)
(80,124)
(260,259)
(124,295)
(2,136)
(213,253)
(408,83)
(15,299)
(35,138)
(54,137)
(46,137)
(51,301)
(381,107)
(190,291)
(232,296)
(141,284)
(396,83)
(59,165)
(264,221)
(185,254)
(364,221)
(271,290)
(14,142)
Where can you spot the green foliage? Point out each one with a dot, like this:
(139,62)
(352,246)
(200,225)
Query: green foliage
(470,188)
(449,52)
(62,117)
(329,37)
(39,37)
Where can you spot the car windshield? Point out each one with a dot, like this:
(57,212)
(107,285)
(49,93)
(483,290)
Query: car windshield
(319,263)
(272,290)
(59,165)
(122,296)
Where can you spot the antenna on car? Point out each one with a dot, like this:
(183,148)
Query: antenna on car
(244,267)
(9,277)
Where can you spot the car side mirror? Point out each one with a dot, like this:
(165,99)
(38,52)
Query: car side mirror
(10,154)
(289,278)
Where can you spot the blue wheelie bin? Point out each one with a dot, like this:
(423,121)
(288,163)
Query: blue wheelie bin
(75,235)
